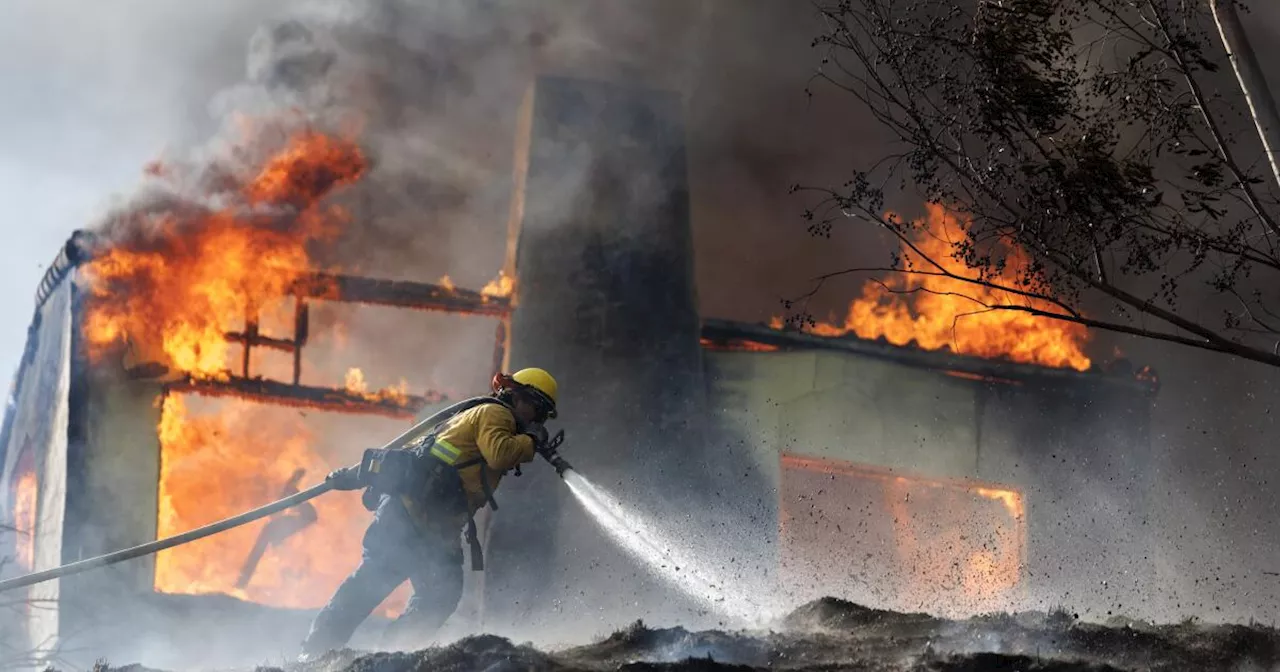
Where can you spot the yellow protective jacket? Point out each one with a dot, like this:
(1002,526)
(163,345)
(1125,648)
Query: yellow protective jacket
(486,433)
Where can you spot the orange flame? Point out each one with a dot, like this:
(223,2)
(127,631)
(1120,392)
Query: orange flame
(936,312)
(218,465)
(24,519)
(355,384)
(198,275)
(355,381)
(738,345)
(499,287)
(949,545)
(447,283)
(997,566)
(986,569)
(172,289)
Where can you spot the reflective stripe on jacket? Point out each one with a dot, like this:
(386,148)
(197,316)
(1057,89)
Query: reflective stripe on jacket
(486,437)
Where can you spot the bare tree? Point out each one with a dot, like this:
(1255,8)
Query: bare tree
(1096,151)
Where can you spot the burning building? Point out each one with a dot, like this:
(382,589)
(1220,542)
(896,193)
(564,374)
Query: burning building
(165,380)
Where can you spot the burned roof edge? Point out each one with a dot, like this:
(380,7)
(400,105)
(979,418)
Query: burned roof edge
(726,332)
(76,251)
(73,253)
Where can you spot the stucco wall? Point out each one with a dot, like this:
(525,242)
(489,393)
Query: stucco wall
(121,479)
(847,407)
(1074,453)
(40,425)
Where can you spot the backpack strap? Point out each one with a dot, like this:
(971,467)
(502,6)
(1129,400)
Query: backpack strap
(463,408)
(445,453)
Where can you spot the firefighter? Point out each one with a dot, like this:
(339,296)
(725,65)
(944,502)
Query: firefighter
(407,540)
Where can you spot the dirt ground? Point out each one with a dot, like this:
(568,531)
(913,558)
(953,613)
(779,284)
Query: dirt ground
(831,634)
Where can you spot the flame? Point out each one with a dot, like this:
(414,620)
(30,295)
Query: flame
(447,284)
(997,567)
(398,393)
(1011,499)
(216,465)
(355,384)
(499,287)
(738,345)
(197,274)
(936,312)
(949,545)
(355,381)
(181,279)
(984,561)
(24,519)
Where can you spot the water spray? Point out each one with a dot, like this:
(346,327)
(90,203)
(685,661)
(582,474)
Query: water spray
(644,541)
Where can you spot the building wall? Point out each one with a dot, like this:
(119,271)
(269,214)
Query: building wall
(39,425)
(1075,455)
(847,407)
(844,409)
(606,301)
(118,493)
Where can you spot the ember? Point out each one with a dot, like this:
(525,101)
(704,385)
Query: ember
(935,311)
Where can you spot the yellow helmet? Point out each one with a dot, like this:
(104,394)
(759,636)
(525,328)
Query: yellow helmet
(541,382)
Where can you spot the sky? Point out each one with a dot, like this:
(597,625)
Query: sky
(93,91)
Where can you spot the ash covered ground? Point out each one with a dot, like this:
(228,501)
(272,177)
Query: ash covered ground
(832,634)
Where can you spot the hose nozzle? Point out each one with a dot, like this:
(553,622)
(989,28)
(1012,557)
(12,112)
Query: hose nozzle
(552,456)
(561,465)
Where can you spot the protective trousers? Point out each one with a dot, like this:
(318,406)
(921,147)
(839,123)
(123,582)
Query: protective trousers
(394,550)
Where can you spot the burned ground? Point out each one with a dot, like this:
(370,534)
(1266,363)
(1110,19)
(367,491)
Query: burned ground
(831,634)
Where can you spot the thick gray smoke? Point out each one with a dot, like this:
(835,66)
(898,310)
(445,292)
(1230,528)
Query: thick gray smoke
(434,89)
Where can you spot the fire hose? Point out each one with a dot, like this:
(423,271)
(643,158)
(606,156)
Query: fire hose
(168,542)
(416,432)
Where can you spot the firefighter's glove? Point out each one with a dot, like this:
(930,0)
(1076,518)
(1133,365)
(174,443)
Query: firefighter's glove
(346,478)
(541,438)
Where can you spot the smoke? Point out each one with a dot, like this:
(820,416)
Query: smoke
(434,89)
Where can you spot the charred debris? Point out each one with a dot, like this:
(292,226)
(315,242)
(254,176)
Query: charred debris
(832,634)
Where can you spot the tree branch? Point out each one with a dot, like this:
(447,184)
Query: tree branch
(1212,124)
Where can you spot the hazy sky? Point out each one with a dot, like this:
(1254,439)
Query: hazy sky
(91,92)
